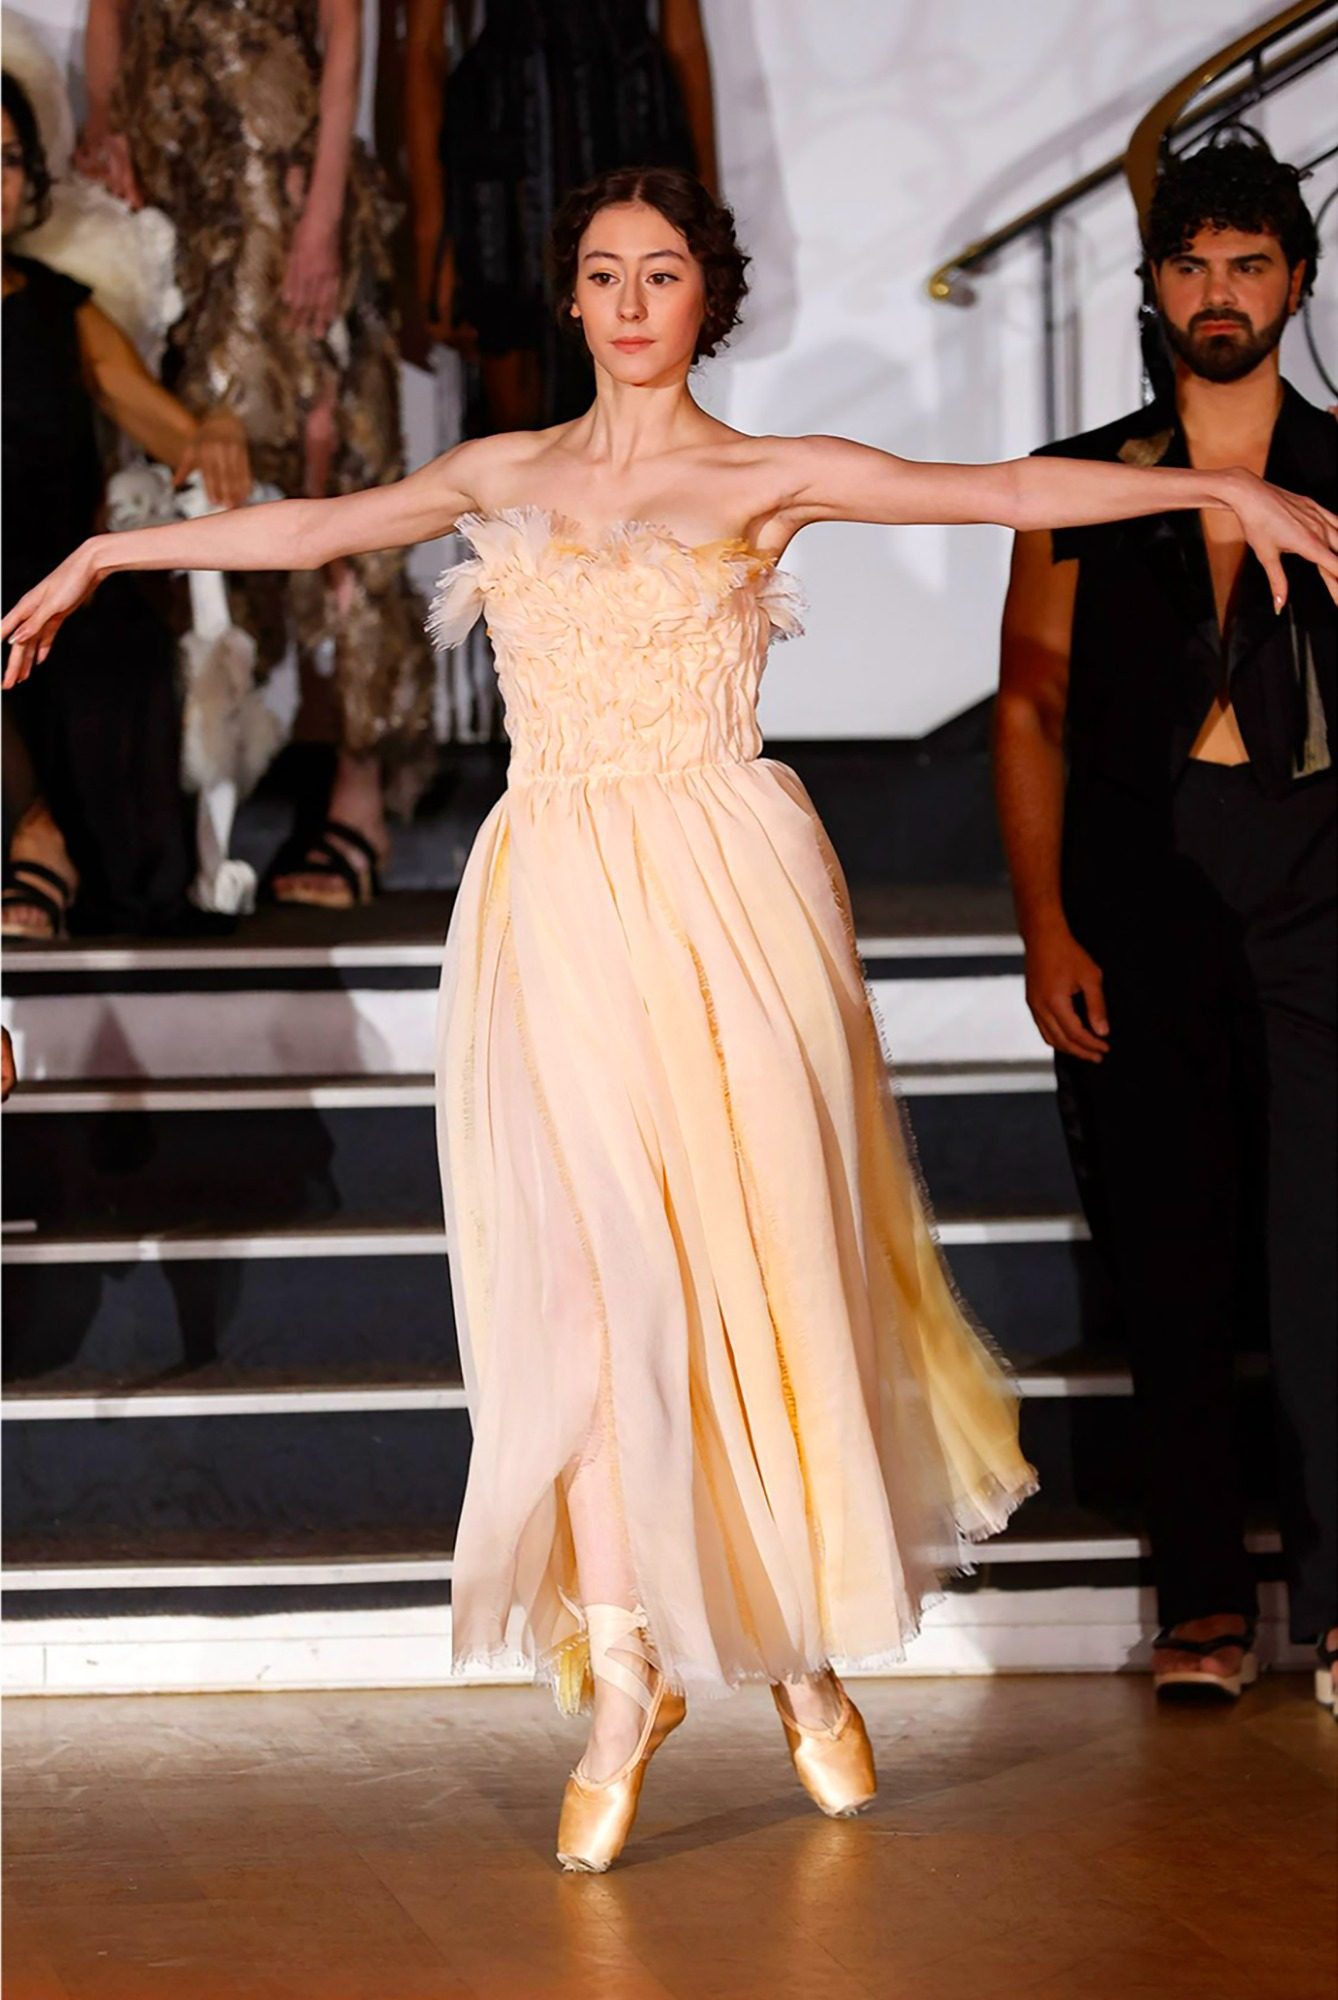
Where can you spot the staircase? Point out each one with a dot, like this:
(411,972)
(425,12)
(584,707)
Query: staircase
(234,1426)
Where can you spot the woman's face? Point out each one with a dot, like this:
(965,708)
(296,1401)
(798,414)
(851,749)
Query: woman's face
(15,177)
(639,294)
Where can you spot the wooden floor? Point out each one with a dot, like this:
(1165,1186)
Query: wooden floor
(1035,1839)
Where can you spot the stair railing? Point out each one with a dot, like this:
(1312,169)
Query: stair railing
(1269,60)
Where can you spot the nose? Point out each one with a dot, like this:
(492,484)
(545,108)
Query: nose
(632,306)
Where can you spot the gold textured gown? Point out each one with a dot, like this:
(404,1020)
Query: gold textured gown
(680,1210)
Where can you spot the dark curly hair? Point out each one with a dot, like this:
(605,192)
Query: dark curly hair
(35,170)
(705,224)
(1234,183)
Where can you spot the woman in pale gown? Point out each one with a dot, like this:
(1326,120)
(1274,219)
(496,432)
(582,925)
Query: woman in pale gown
(730,1421)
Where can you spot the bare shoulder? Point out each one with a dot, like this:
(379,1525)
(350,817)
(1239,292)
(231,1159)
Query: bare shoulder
(787,473)
(505,470)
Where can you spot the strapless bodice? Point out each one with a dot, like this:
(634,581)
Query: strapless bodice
(630,655)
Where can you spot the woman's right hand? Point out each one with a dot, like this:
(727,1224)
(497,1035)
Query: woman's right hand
(103,155)
(32,623)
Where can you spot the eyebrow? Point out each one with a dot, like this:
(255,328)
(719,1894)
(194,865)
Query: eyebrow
(614,257)
(1237,257)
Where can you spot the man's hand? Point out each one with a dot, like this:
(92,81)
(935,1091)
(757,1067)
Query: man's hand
(1058,970)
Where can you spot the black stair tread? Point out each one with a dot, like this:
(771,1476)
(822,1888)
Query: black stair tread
(1037,1522)
(95,1547)
(352,1223)
(220,1378)
(369,1083)
(418,916)
(333,1228)
(1042,1520)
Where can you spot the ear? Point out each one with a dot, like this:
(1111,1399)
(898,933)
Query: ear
(574,310)
(1294,288)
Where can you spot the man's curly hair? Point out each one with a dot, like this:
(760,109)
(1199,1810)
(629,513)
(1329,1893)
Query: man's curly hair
(1234,184)
(705,224)
(35,170)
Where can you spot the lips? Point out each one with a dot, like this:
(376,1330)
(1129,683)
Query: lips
(631,344)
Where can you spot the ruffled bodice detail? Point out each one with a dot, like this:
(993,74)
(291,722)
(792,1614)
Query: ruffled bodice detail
(631,655)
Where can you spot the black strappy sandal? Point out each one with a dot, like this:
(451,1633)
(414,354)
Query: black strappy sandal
(319,854)
(1183,1684)
(1326,1679)
(20,893)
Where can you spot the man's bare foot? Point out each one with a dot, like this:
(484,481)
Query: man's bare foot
(39,841)
(815,1702)
(1222,1664)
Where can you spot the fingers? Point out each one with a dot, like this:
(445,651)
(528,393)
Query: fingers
(1094,1003)
(1063,1028)
(19,665)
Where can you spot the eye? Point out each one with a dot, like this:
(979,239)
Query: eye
(668,277)
(600,277)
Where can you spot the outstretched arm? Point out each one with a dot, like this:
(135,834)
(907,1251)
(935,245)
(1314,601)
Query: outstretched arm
(280,534)
(835,480)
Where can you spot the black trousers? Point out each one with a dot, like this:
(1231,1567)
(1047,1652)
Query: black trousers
(1207,1146)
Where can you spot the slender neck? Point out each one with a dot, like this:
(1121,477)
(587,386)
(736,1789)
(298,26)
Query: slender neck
(630,422)
(1222,418)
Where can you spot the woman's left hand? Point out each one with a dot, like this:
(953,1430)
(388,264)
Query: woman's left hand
(219,453)
(1277,524)
(311,280)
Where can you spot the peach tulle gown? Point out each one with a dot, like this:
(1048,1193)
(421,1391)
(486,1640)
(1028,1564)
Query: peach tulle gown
(685,1234)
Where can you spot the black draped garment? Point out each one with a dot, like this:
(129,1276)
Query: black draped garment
(549,93)
(98,719)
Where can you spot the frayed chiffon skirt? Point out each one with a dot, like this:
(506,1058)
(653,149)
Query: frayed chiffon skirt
(685,1228)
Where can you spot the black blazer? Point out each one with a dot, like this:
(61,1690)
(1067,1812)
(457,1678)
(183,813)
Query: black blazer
(1147,657)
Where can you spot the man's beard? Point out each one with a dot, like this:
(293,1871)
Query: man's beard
(1223,357)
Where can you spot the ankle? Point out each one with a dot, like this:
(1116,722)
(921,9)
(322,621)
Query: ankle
(813,1701)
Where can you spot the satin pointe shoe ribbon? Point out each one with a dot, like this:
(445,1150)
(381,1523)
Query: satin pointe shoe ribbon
(597,1817)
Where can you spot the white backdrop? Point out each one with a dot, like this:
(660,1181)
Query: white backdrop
(862,142)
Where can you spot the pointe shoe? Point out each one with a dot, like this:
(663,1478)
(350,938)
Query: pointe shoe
(835,1766)
(597,1818)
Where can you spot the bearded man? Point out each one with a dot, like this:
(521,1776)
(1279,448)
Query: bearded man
(1167,794)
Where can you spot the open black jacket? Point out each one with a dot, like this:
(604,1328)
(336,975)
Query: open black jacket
(1147,656)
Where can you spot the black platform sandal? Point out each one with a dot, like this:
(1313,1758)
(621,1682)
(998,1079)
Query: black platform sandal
(1326,1678)
(295,857)
(1183,1684)
(20,894)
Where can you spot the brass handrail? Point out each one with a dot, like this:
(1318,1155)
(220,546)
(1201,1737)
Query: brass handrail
(1141,154)
(1169,115)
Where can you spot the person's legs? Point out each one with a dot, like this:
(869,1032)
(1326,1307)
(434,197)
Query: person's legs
(1294,953)
(38,839)
(357,794)
(604,1569)
(605,1572)
(1160,1138)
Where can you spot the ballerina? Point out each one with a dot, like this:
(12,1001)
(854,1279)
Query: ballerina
(730,1418)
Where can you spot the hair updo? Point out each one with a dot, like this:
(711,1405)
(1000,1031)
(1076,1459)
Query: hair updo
(706,225)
